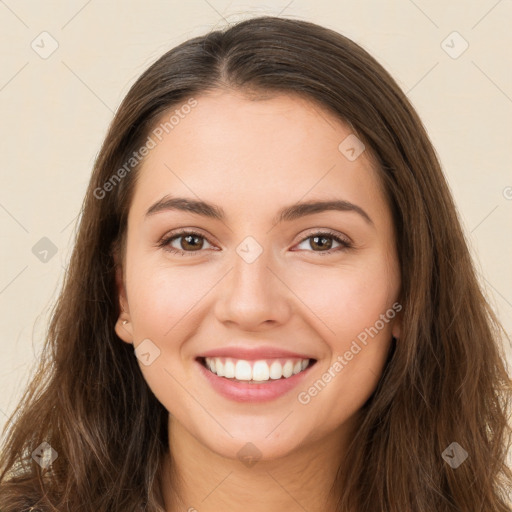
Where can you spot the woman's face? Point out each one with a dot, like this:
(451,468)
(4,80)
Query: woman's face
(266,291)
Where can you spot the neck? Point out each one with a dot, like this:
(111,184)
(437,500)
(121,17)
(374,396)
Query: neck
(196,478)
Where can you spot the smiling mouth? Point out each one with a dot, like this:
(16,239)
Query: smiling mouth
(257,371)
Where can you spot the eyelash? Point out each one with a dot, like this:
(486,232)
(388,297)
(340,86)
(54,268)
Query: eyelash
(164,243)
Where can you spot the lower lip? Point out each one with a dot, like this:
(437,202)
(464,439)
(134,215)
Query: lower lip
(245,392)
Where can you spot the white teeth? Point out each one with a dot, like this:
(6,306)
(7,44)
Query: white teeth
(219,367)
(242,370)
(258,371)
(229,369)
(276,370)
(288,369)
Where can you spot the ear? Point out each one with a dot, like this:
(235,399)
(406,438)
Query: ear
(123,325)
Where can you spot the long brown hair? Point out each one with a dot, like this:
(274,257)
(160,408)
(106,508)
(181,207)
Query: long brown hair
(445,380)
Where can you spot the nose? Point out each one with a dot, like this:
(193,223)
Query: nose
(254,296)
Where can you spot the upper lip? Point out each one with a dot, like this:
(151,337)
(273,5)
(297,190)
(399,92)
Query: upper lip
(253,353)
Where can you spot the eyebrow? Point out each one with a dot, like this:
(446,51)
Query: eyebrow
(288,213)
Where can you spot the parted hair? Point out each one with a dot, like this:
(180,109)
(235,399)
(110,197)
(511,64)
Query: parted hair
(444,381)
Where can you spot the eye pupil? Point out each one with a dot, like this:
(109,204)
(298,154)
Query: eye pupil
(324,241)
(187,240)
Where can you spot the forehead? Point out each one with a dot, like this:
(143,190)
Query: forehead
(281,148)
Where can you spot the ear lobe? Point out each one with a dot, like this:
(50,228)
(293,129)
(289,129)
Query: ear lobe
(123,329)
(123,325)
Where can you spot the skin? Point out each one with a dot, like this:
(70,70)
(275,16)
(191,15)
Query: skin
(252,157)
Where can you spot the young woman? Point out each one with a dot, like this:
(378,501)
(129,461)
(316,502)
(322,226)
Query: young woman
(270,304)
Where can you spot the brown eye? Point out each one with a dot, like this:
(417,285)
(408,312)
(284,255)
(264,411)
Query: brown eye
(184,243)
(323,242)
(191,242)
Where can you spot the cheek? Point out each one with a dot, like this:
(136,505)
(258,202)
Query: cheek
(347,299)
(354,305)
(162,303)
(161,297)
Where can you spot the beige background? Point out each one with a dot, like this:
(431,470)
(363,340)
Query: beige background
(55,112)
